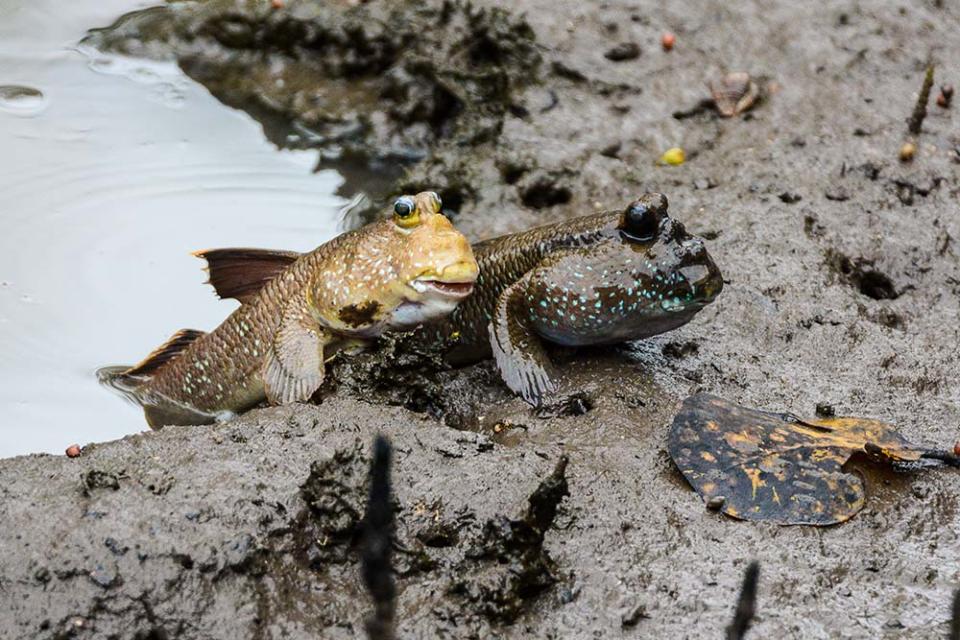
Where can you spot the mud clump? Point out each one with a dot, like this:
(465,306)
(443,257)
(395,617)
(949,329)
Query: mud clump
(98,479)
(399,371)
(334,496)
(514,565)
(375,80)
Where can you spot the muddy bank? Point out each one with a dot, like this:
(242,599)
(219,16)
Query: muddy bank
(373,86)
(248,529)
(843,288)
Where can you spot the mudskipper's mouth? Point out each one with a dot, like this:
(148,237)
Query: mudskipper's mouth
(456,290)
(704,280)
(453,282)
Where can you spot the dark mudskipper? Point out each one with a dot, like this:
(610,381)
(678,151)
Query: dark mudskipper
(599,279)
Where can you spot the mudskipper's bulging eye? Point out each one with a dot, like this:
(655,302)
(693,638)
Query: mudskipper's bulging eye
(641,220)
(405,212)
(404,206)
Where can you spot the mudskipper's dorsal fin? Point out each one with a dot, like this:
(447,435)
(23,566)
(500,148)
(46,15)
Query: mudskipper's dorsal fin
(164,353)
(241,273)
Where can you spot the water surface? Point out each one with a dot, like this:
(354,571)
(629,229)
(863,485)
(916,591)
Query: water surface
(111,171)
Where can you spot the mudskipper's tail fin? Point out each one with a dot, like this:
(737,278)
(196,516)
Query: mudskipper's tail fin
(163,354)
(128,381)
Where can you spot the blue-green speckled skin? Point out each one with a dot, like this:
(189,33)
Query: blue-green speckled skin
(588,284)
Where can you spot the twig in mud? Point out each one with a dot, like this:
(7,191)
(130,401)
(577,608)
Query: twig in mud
(376,545)
(955,617)
(948,458)
(920,109)
(746,605)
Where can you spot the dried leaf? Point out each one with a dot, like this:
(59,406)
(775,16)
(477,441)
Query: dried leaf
(756,465)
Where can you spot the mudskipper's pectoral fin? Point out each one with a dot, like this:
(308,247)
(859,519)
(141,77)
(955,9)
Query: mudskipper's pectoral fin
(293,370)
(241,273)
(519,352)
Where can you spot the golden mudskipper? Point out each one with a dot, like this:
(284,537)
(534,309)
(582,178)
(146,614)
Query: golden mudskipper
(298,310)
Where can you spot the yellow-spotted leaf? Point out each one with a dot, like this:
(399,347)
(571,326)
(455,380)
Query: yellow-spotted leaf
(756,465)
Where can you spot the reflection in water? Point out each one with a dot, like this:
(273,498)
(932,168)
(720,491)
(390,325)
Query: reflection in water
(112,171)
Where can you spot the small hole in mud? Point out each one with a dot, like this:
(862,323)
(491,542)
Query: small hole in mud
(877,285)
(545,193)
(512,172)
(861,274)
(446,107)
(485,50)
(453,200)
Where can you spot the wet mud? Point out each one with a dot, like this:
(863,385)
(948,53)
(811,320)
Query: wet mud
(842,294)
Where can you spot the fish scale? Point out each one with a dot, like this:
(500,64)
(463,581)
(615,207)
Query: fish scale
(503,261)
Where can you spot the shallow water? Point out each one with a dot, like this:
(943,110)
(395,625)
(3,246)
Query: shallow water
(111,171)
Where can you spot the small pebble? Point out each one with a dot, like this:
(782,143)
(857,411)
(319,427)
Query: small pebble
(668,40)
(837,194)
(104,576)
(790,197)
(73,451)
(907,152)
(612,150)
(567,595)
(946,96)
(673,156)
(734,93)
(633,616)
(716,503)
(623,51)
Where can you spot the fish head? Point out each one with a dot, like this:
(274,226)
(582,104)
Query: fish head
(644,276)
(398,272)
(434,262)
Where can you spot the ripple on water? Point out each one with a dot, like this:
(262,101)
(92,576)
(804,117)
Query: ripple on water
(169,85)
(20,100)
